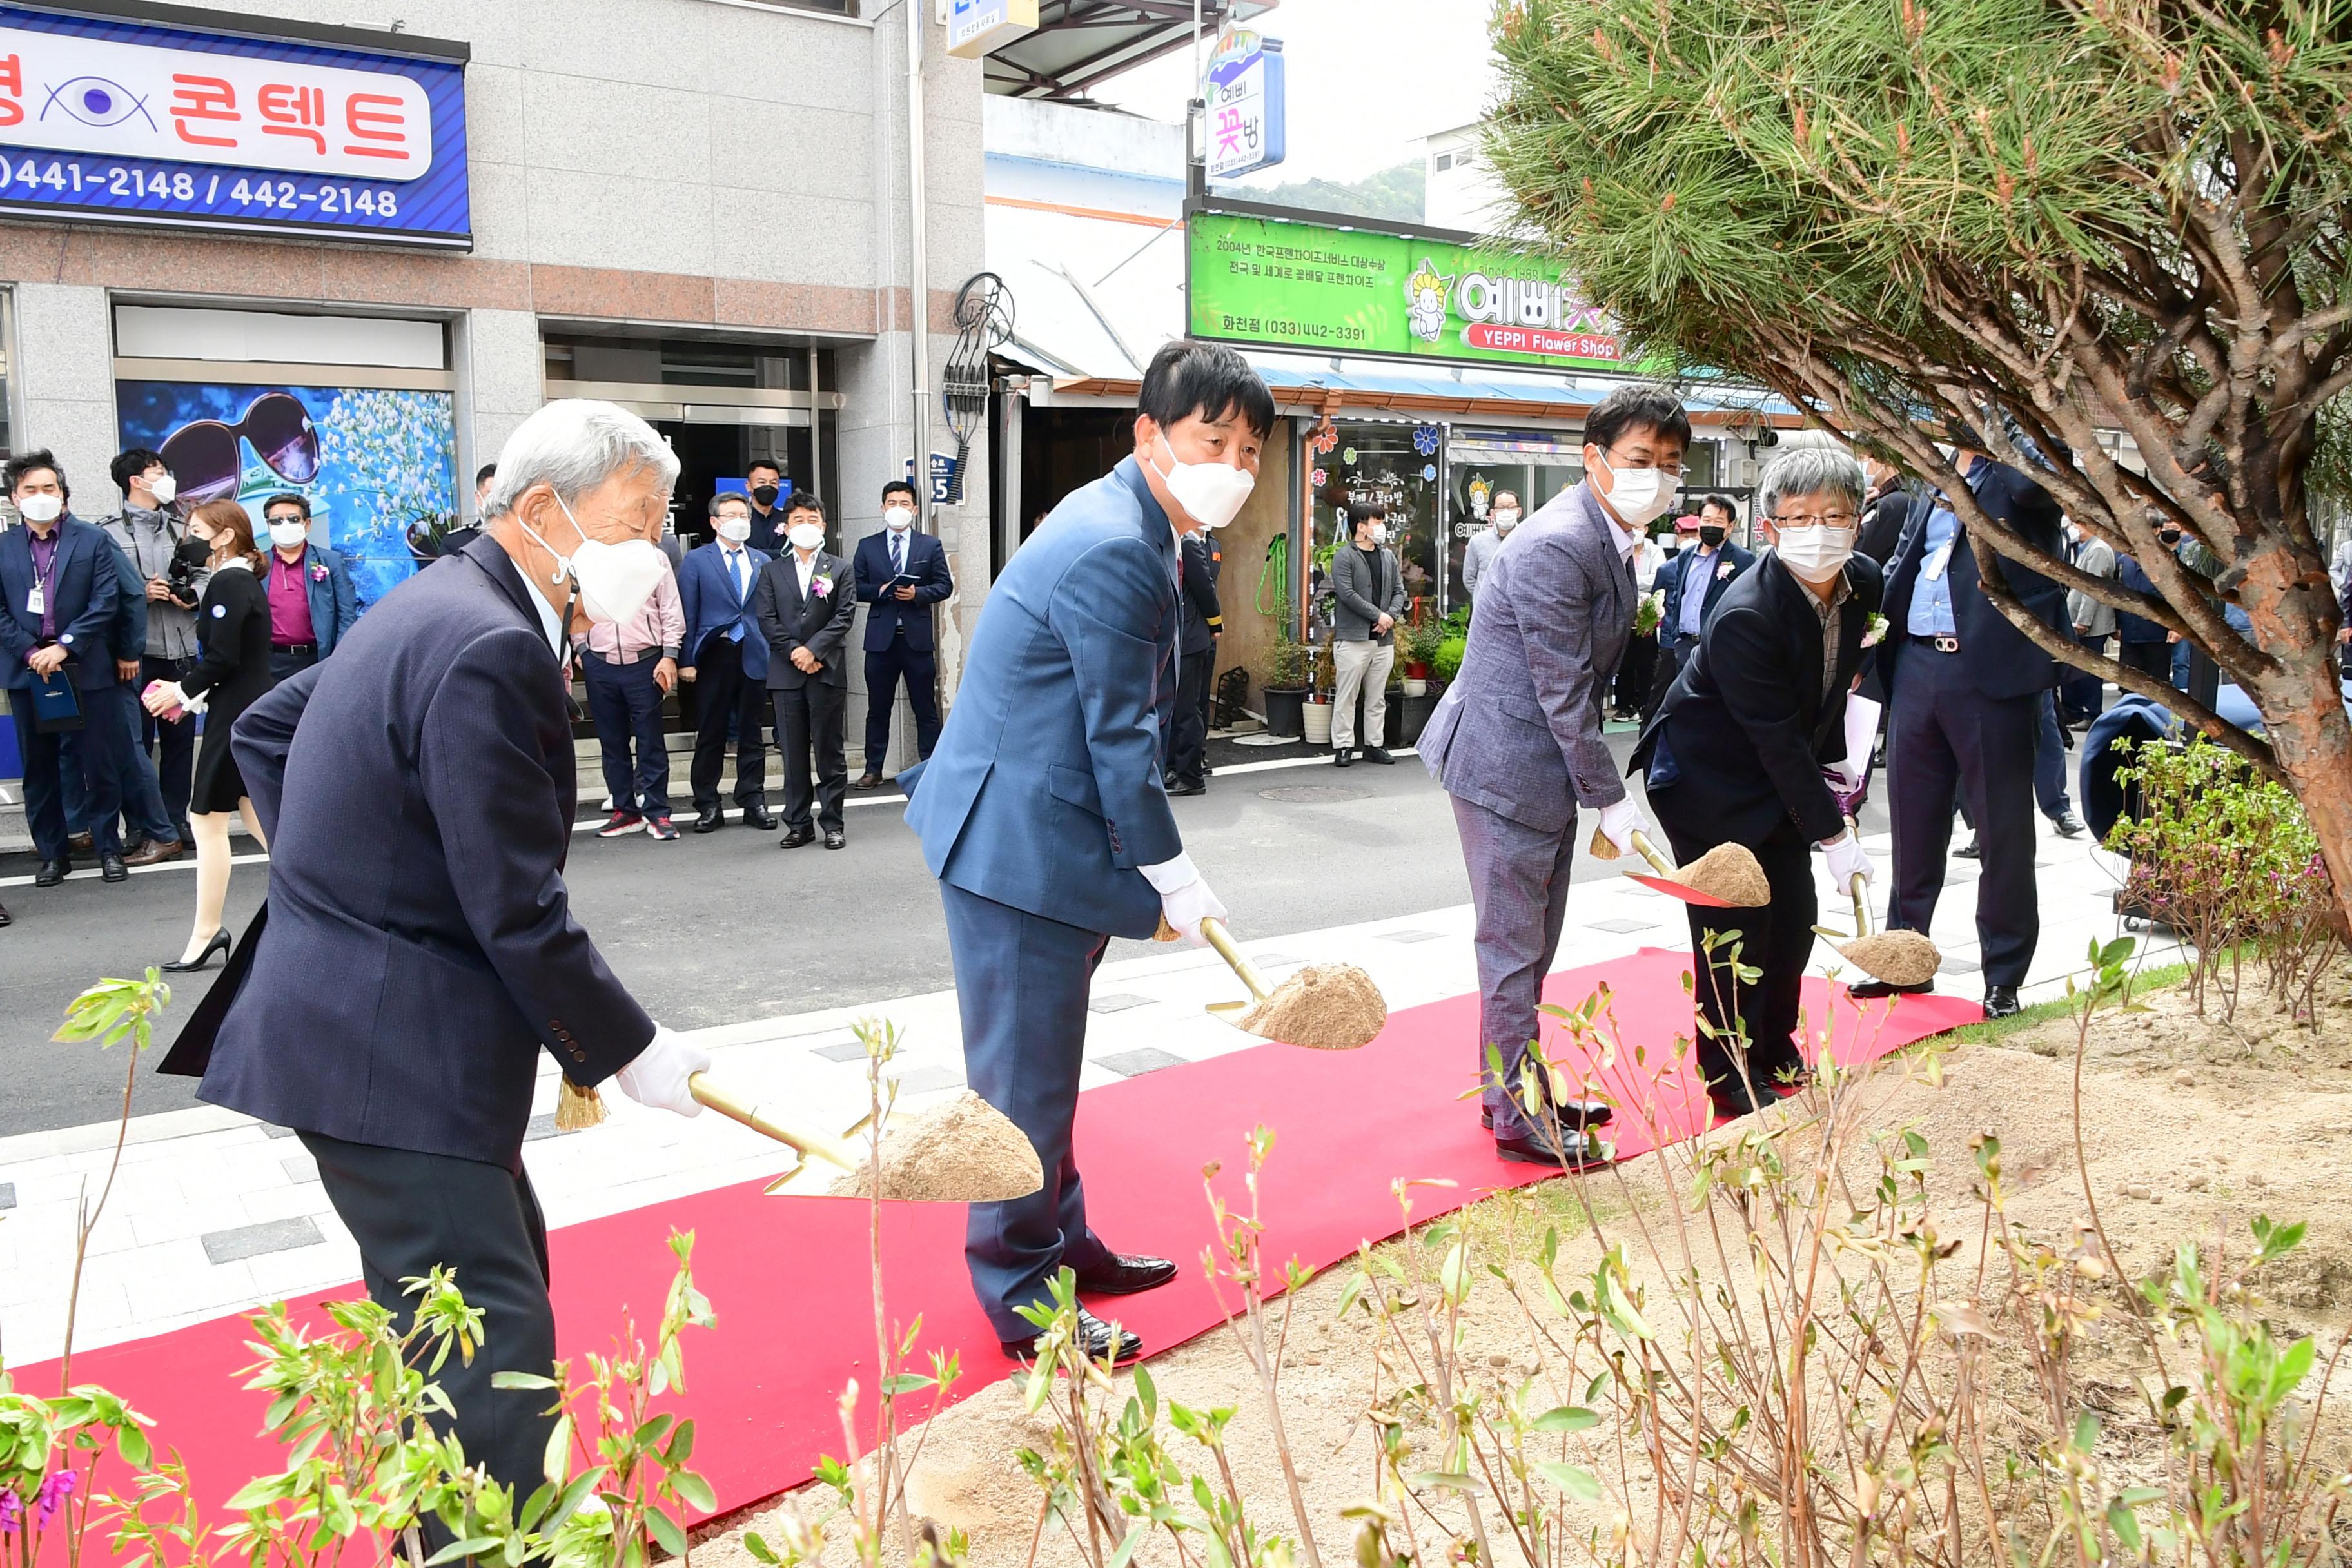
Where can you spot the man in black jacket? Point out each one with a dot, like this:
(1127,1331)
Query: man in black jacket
(1201,622)
(804,603)
(1965,692)
(1694,581)
(1737,751)
(391,1001)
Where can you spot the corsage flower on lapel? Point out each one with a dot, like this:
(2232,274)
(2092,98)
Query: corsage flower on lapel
(1873,630)
(318,570)
(822,587)
(1726,570)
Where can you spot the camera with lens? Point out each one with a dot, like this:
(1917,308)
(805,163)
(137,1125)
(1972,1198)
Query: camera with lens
(180,576)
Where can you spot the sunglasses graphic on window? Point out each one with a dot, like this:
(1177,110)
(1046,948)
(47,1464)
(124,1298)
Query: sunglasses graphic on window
(206,460)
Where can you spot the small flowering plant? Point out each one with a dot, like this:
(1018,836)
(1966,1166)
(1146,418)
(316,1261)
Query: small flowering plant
(1649,612)
(1873,630)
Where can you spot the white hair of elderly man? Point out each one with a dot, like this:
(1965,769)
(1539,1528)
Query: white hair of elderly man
(576,444)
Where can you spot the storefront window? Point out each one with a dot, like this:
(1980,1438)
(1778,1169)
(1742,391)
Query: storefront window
(1395,463)
(1483,464)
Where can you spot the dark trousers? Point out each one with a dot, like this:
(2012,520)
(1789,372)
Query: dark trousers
(2153,659)
(1673,652)
(1945,740)
(1636,673)
(175,744)
(1209,696)
(808,720)
(285,663)
(2081,693)
(410,1213)
(919,668)
(138,798)
(1022,983)
(722,692)
(1518,885)
(1777,940)
(98,748)
(1188,737)
(626,706)
(2049,762)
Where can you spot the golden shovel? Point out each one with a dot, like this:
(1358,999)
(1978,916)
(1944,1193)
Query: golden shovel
(1353,984)
(1008,1169)
(801,1140)
(1892,957)
(1685,883)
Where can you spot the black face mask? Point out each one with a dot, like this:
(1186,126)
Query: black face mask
(765,495)
(193,552)
(1709,535)
(2170,537)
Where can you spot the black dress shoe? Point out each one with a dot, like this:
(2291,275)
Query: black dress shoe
(1870,989)
(49,873)
(835,839)
(757,814)
(111,868)
(203,960)
(3,915)
(1094,1338)
(1538,1149)
(1379,754)
(1574,1114)
(795,837)
(707,820)
(1343,758)
(2001,1001)
(1120,1275)
(1176,789)
(1969,851)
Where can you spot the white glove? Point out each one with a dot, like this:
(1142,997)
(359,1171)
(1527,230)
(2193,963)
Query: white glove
(657,1078)
(1620,822)
(1184,899)
(1846,860)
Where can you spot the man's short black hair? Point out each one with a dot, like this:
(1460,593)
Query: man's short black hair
(287,498)
(487,472)
(1633,408)
(803,501)
(894,487)
(1209,379)
(129,466)
(769,464)
(13,472)
(1361,512)
(1731,507)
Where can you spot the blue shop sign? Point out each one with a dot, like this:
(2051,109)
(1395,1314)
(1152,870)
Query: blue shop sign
(283,130)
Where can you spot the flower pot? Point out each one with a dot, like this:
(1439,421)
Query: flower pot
(1318,722)
(1414,685)
(1418,706)
(1414,671)
(1282,709)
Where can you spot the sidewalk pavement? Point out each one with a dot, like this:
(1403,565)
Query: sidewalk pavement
(214,1213)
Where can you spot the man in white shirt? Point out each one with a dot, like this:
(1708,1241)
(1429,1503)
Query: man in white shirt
(727,658)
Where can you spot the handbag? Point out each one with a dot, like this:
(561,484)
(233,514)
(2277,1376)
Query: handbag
(56,706)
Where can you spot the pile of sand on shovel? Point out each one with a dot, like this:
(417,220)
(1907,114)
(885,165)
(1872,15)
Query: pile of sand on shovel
(1897,957)
(1729,872)
(963,1152)
(1324,1006)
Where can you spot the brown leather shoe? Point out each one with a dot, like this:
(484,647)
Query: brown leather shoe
(79,843)
(154,852)
(868,781)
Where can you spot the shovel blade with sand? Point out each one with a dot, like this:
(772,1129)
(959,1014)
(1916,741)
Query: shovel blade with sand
(1726,877)
(1323,1008)
(964,1152)
(1894,957)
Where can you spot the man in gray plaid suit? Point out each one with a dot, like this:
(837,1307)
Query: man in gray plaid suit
(1516,739)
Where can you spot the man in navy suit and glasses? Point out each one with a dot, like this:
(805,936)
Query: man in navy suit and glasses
(901,574)
(1044,815)
(445,933)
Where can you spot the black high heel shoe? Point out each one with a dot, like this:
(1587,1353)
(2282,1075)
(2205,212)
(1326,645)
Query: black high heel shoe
(203,960)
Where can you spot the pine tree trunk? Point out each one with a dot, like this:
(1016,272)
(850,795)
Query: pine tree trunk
(2303,712)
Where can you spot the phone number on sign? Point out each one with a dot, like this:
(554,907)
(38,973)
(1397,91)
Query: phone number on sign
(213,191)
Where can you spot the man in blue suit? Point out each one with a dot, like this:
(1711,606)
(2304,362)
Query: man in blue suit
(901,574)
(1043,812)
(726,657)
(391,1003)
(1711,565)
(313,604)
(63,595)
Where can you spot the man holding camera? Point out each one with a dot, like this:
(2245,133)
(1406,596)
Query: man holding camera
(150,535)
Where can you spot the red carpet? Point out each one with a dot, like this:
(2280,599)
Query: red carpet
(788,1278)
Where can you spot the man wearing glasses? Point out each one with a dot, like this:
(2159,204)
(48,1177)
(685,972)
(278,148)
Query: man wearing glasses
(1517,738)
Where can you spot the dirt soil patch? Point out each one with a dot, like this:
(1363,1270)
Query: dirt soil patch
(2190,1129)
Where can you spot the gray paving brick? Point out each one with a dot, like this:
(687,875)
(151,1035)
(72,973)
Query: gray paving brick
(922,1080)
(253,1240)
(1411,935)
(1118,1002)
(843,1051)
(1136,1063)
(1622,927)
(1954,965)
(543,1126)
(8,1194)
(279,1131)
(300,1168)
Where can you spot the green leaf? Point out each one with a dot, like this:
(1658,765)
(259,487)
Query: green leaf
(1574,1479)
(555,1459)
(757,1545)
(681,1445)
(1127,1547)
(695,1490)
(520,1380)
(905,1382)
(1442,1480)
(666,1532)
(1567,1418)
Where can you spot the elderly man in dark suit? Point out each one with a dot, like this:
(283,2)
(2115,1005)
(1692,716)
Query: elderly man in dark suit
(1517,738)
(804,602)
(1964,698)
(442,723)
(902,573)
(1737,755)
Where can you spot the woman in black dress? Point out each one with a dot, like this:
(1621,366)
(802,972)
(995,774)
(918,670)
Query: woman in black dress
(231,670)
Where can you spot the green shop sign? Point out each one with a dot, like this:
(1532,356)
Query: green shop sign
(1385,293)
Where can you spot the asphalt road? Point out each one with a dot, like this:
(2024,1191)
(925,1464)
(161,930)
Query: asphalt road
(725,928)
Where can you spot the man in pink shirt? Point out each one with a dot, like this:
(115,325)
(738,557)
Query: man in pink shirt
(630,667)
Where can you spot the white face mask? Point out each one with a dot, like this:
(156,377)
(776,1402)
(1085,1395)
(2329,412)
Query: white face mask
(734,530)
(1379,534)
(40,509)
(1507,518)
(897,520)
(288,535)
(165,489)
(1640,496)
(805,535)
(614,579)
(1211,493)
(1816,554)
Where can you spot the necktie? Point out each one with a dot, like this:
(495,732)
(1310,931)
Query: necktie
(735,569)
(897,554)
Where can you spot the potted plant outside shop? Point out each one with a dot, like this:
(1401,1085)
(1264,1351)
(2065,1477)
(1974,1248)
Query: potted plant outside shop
(1284,686)
(1316,715)
(1417,647)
